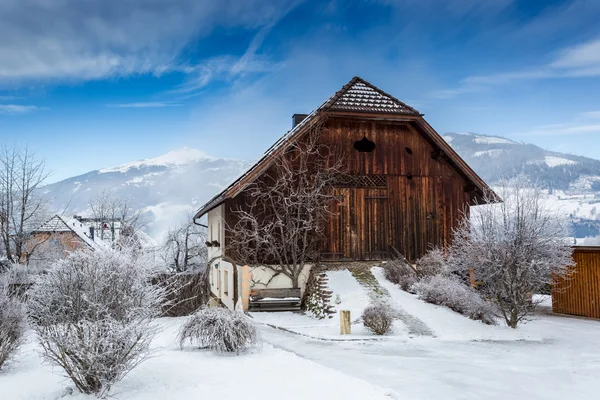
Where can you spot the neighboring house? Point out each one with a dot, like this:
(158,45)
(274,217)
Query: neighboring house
(405,189)
(56,238)
(59,236)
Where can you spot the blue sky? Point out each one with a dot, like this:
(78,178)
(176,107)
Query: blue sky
(96,83)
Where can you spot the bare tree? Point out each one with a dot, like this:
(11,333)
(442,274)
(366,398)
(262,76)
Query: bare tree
(22,208)
(514,247)
(185,247)
(281,224)
(111,213)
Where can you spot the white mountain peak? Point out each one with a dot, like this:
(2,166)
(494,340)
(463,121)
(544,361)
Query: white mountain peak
(182,156)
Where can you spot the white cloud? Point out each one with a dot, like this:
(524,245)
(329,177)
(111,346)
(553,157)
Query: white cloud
(84,40)
(13,109)
(227,67)
(590,115)
(149,104)
(582,60)
(564,129)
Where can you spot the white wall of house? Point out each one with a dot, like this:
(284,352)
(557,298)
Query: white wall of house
(264,278)
(222,282)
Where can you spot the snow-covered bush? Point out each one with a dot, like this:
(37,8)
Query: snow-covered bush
(451,292)
(432,263)
(93,314)
(398,271)
(378,318)
(219,329)
(12,323)
(515,247)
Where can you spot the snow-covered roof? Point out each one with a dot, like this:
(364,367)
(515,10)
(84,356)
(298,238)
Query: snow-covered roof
(362,96)
(58,224)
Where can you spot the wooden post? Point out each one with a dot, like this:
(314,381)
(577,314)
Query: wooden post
(344,322)
(472,277)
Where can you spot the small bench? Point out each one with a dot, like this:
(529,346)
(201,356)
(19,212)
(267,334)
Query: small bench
(275,300)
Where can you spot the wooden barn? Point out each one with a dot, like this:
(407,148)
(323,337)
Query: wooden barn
(404,189)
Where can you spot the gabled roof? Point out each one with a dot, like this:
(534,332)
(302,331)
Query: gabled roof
(357,96)
(58,224)
(360,96)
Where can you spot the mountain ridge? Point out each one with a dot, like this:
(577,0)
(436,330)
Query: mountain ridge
(169,187)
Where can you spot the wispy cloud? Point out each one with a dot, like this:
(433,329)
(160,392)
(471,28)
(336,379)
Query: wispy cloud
(565,130)
(14,109)
(229,67)
(590,115)
(88,40)
(582,60)
(149,104)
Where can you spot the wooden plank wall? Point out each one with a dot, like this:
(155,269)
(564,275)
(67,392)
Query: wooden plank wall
(424,195)
(417,208)
(580,295)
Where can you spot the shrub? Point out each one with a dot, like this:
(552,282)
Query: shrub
(93,315)
(378,318)
(398,271)
(432,263)
(450,292)
(12,323)
(219,329)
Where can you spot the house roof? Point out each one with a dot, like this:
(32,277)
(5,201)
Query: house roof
(360,96)
(58,224)
(357,96)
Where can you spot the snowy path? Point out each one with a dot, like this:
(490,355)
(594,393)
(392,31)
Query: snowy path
(377,292)
(566,365)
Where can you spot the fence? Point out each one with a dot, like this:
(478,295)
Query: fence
(580,294)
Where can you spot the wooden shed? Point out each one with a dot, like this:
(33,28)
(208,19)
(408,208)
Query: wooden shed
(405,188)
(579,294)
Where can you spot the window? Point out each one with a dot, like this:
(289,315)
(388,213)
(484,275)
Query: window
(364,145)
(226,282)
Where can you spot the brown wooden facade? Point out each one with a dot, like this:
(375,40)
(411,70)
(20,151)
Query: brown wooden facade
(407,194)
(579,294)
(404,196)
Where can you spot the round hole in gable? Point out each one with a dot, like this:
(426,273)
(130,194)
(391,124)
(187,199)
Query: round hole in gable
(409,150)
(408,176)
(364,145)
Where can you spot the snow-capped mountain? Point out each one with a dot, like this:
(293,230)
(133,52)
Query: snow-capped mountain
(494,157)
(573,182)
(168,187)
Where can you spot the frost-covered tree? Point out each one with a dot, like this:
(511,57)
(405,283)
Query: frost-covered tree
(514,247)
(12,321)
(22,208)
(185,247)
(108,209)
(93,313)
(281,224)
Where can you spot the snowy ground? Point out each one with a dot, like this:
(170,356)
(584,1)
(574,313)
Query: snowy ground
(552,357)
(187,374)
(434,354)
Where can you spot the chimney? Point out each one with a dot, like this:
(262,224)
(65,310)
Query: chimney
(297,118)
(92,233)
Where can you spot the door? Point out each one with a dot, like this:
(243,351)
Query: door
(376,225)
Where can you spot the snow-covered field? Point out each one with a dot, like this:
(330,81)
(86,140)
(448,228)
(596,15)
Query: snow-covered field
(267,373)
